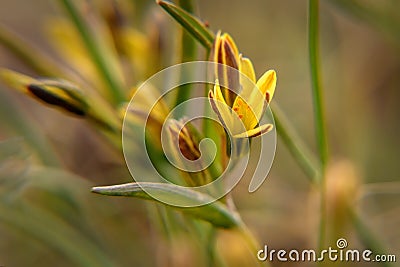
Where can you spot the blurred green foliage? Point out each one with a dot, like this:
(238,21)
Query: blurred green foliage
(49,161)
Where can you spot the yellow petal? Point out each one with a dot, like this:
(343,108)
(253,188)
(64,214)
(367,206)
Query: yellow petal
(225,52)
(220,107)
(255,98)
(245,113)
(231,43)
(267,83)
(246,68)
(218,93)
(230,80)
(265,128)
(229,55)
(215,48)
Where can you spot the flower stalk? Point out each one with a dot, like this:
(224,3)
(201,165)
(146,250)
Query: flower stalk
(319,112)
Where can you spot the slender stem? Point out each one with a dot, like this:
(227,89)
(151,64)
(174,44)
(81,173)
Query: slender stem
(114,85)
(292,141)
(188,53)
(252,243)
(188,43)
(31,56)
(320,127)
(315,68)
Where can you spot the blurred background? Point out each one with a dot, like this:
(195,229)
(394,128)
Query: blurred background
(49,161)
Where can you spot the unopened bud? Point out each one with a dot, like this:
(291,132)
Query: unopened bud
(187,145)
(185,154)
(225,53)
(59,93)
(58,96)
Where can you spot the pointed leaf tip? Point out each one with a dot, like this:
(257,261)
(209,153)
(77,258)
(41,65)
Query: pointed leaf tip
(192,24)
(215,212)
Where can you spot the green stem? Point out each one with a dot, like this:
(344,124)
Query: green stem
(292,141)
(114,85)
(315,68)
(320,127)
(188,48)
(188,43)
(252,243)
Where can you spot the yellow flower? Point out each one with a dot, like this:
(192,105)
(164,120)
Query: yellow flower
(240,108)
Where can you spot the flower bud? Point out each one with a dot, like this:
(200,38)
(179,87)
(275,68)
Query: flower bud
(59,93)
(225,53)
(184,145)
(59,96)
(187,145)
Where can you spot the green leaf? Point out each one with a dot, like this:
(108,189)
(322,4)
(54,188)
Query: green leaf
(193,25)
(216,213)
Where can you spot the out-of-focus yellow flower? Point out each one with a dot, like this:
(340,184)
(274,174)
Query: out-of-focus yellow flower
(240,107)
(67,42)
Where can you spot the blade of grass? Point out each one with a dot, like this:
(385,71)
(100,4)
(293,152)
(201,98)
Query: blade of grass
(188,43)
(320,128)
(188,48)
(194,26)
(114,84)
(319,113)
(299,152)
(252,244)
(28,54)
